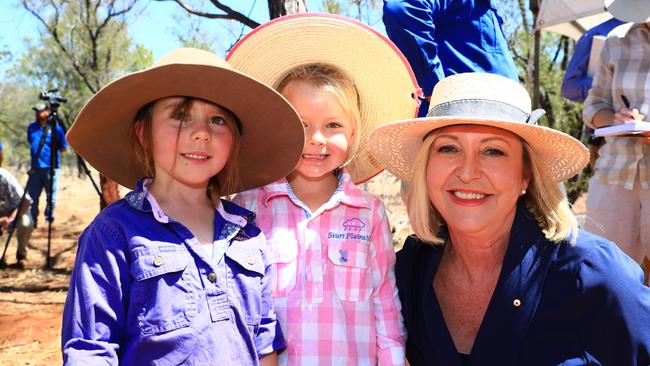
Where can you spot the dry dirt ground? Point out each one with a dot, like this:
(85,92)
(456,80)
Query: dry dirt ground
(31,300)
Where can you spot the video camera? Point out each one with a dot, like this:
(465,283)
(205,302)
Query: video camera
(53,98)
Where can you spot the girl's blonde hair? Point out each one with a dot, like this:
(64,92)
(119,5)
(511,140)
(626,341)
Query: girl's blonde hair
(543,198)
(332,80)
(227,180)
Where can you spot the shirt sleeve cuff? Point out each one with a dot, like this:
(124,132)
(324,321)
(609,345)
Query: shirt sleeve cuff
(392,356)
(269,339)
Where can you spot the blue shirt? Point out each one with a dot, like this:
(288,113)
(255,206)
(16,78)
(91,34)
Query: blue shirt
(34,133)
(576,82)
(580,304)
(446,37)
(143,291)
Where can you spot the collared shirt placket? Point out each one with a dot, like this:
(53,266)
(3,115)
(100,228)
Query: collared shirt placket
(313,260)
(218,301)
(213,272)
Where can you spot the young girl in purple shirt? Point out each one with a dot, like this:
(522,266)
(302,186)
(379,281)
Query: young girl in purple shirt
(173,274)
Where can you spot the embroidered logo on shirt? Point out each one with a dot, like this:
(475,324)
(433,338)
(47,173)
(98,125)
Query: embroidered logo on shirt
(352,229)
(344,256)
(354,224)
(241,236)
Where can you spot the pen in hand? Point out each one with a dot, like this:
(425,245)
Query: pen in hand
(626,101)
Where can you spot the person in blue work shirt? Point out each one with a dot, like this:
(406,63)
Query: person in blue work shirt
(446,37)
(39,174)
(577,82)
(172,274)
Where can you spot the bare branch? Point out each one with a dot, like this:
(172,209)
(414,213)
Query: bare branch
(229,13)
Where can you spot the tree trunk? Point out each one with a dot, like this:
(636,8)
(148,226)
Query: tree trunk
(278,8)
(110,191)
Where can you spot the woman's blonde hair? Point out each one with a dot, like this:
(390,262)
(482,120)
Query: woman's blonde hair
(332,80)
(227,180)
(543,198)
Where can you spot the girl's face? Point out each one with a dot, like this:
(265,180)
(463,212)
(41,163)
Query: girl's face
(329,130)
(475,176)
(188,149)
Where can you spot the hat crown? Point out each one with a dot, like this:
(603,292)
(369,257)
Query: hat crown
(191,56)
(39,107)
(480,86)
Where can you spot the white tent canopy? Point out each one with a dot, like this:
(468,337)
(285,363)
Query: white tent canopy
(570,17)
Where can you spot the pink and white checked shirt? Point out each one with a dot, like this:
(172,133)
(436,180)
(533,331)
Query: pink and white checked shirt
(333,283)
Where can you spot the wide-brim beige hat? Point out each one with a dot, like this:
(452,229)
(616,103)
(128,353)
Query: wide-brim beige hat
(634,11)
(383,78)
(272,133)
(479,99)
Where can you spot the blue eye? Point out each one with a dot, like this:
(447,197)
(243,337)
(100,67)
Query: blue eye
(447,149)
(218,120)
(494,152)
(334,125)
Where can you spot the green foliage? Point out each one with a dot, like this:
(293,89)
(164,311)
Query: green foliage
(193,33)
(367,11)
(561,114)
(80,47)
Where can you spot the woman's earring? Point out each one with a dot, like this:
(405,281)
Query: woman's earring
(523,192)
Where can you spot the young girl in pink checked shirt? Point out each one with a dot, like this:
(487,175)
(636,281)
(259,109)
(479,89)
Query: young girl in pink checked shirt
(330,242)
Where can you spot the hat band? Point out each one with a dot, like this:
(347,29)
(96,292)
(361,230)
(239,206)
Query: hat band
(485,109)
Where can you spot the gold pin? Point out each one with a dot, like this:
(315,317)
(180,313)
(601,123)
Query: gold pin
(212,276)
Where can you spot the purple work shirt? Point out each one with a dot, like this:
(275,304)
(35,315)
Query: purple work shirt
(144,292)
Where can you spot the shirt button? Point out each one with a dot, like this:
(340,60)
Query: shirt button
(251,260)
(212,276)
(516,303)
(158,261)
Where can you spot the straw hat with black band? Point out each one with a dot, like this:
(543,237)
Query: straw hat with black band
(271,137)
(479,99)
(383,78)
(633,11)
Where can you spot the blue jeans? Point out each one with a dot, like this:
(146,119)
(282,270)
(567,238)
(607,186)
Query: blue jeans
(39,180)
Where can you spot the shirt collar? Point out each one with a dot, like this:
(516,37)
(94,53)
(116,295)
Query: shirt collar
(141,200)
(346,193)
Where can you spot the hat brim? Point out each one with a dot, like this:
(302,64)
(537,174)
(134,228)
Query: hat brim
(386,84)
(633,11)
(396,144)
(101,132)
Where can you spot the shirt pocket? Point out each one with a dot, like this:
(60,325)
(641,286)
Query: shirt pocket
(162,295)
(245,272)
(350,270)
(490,29)
(284,259)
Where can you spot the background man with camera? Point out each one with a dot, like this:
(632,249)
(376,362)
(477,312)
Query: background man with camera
(39,132)
(12,208)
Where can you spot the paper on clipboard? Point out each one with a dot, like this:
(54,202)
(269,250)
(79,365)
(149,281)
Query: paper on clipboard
(635,128)
(594,55)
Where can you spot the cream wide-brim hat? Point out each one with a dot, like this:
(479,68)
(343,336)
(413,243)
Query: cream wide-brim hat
(271,137)
(383,78)
(478,99)
(633,11)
